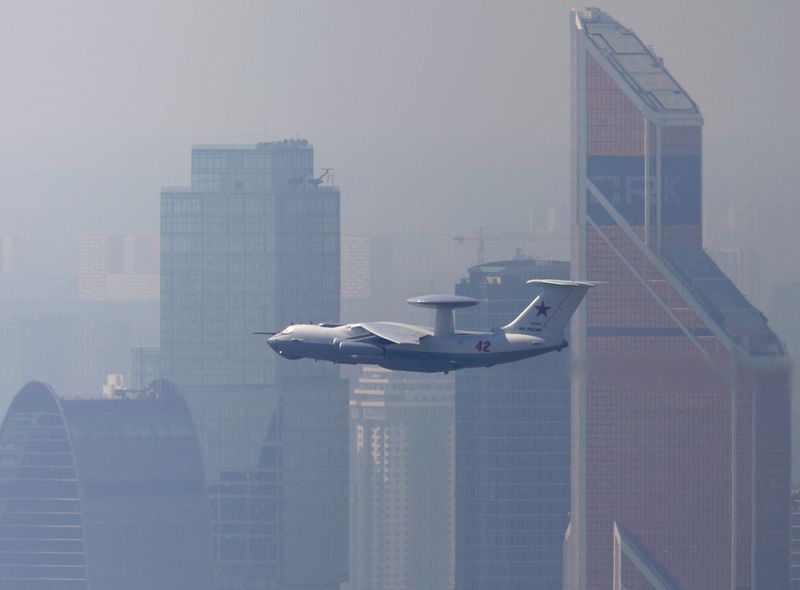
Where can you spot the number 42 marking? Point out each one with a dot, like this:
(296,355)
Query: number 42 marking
(483,345)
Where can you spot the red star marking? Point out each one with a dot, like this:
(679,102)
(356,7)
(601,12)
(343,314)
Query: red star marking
(541,309)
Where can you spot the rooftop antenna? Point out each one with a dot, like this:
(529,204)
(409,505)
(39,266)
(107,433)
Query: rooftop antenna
(327,173)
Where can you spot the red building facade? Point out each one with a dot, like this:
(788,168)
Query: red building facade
(680,411)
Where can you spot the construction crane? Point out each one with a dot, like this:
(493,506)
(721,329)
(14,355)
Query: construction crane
(480,238)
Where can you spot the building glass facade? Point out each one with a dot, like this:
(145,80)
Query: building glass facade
(512,445)
(118,268)
(680,414)
(102,494)
(794,564)
(145,366)
(402,480)
(254,245)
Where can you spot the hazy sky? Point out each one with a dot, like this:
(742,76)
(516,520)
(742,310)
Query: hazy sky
(442,115)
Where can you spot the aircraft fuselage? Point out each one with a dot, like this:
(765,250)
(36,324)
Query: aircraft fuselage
(350,344)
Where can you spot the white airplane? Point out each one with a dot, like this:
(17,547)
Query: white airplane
(537,330)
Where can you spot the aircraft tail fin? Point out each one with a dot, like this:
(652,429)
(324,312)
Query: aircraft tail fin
(549,313)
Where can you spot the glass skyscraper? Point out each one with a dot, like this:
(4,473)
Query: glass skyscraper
(512,445)
(401,437)
(253,245)
(680,409)
(101,494)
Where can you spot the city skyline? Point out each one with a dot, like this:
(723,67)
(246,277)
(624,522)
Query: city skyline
(448,128)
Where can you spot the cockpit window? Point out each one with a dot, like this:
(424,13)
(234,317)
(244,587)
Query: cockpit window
(288,330)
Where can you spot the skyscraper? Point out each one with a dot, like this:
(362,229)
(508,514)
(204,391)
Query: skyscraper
(794,528)
(254,245)
(512,445)
(680,413)
(402,478)
(100,494)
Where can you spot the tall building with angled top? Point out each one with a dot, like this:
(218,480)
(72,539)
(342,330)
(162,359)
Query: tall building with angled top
(253,245)
(680,406)
(512,444)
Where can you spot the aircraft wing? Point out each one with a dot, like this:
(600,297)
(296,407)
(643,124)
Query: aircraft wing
(397,333)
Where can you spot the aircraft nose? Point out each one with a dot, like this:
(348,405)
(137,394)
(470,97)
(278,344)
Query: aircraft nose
(273,341)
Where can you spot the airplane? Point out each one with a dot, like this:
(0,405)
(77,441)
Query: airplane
(539,329)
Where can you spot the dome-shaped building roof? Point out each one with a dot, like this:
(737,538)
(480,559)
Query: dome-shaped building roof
(102,494)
